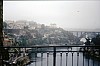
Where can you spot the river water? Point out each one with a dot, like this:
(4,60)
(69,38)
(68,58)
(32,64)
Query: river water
(61,60)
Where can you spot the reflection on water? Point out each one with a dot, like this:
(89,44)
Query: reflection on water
(61,60)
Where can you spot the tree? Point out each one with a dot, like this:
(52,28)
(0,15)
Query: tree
(22,40)
(87,41)
(96,40)
(42,26)
(26,27)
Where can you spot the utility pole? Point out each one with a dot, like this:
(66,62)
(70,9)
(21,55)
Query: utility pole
(1,32)
(4,55)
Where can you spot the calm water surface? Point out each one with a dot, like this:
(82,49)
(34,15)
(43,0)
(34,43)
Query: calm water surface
(61,60)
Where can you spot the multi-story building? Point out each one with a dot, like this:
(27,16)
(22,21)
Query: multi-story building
(20,24)
(38,26)
(8,41)
(15,25)
(32,25)
(53,25)
(10,24)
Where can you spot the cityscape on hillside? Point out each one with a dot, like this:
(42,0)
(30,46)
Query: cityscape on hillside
(24,33)
(50,33)
(30,33)
(20,24)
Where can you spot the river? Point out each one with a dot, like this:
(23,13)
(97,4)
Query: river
(61,60)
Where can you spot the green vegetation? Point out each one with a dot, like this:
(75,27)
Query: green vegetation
(93,51)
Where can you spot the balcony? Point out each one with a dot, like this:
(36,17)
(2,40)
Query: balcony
(54,56)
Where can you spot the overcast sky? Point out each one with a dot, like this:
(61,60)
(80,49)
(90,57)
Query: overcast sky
(66,14)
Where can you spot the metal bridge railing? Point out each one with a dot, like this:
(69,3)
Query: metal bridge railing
(54,55)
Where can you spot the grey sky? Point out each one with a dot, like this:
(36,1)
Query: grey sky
(66,14)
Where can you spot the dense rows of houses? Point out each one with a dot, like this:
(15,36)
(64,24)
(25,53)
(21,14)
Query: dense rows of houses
(22,23)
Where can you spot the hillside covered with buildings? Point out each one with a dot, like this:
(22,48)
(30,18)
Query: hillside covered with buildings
(27,33)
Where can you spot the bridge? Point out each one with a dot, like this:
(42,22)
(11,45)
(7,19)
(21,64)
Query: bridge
(79,33)
(83,33)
